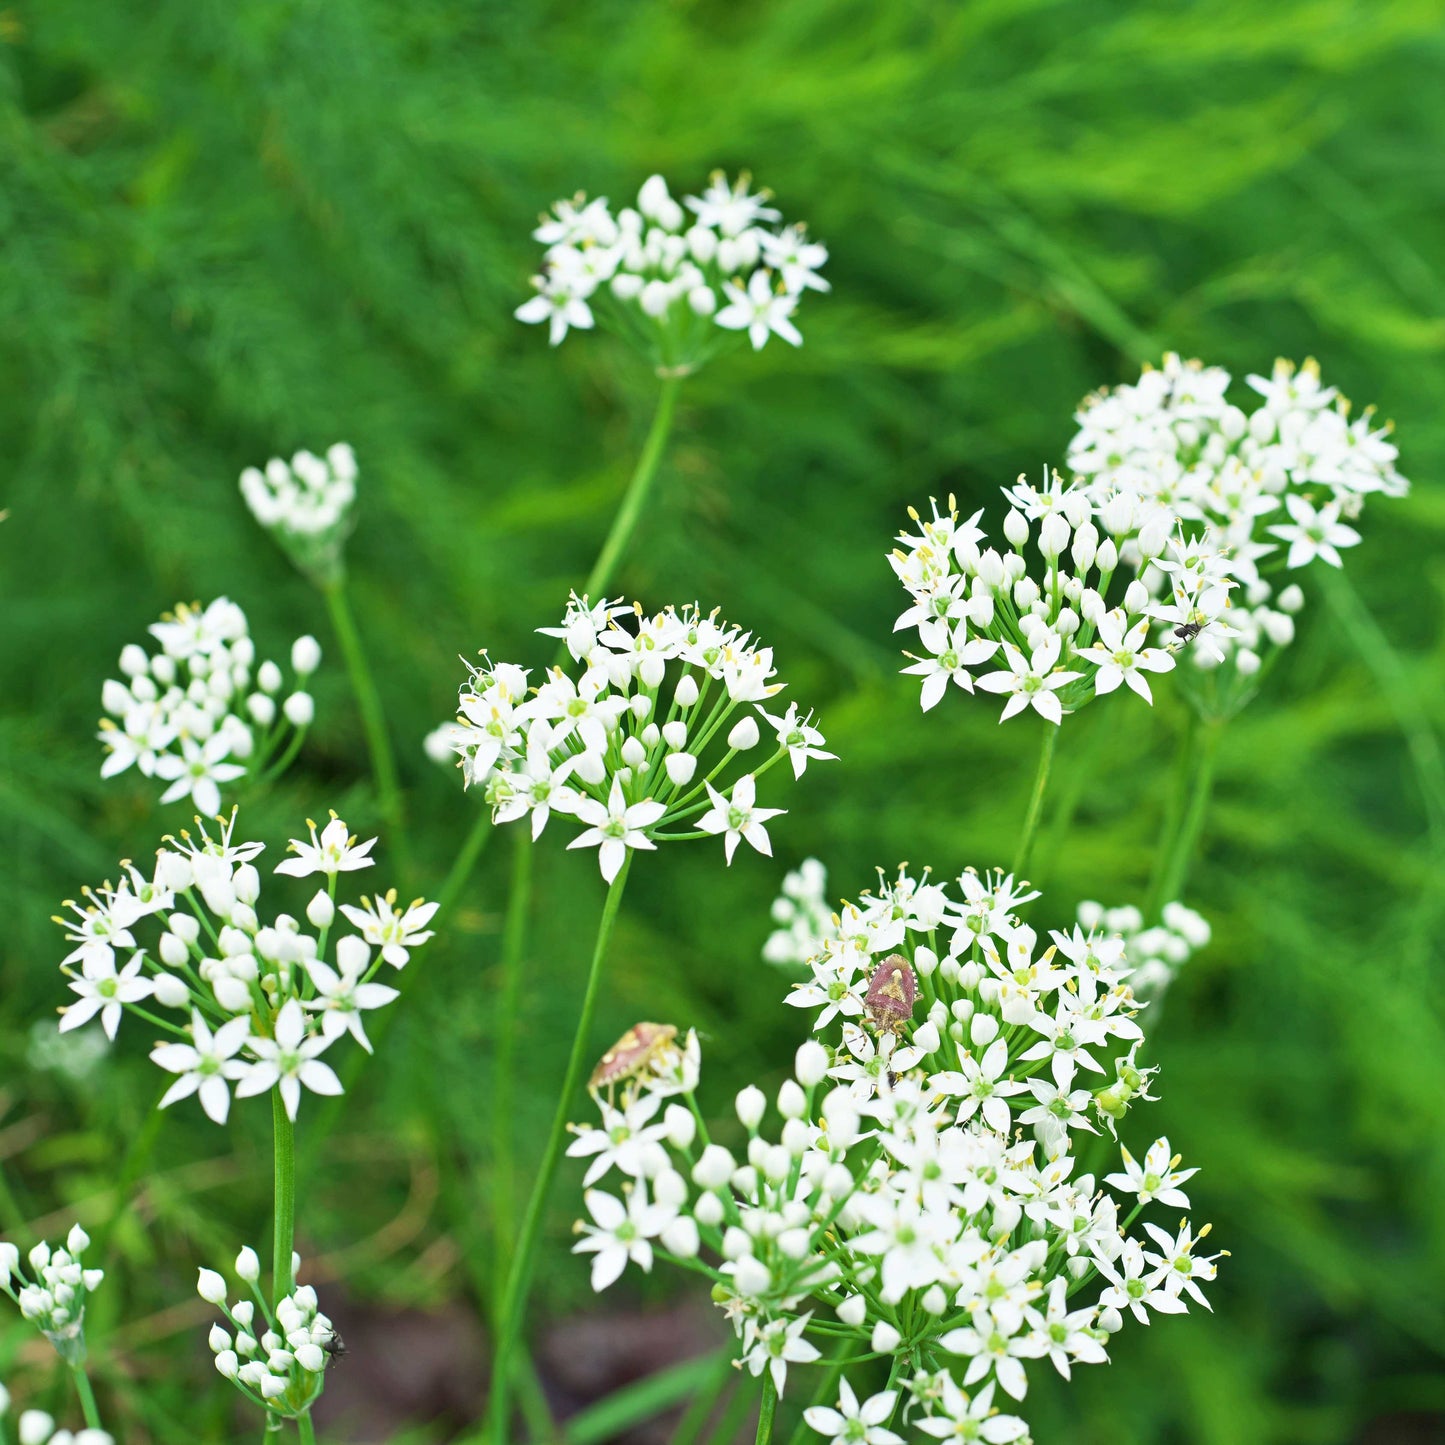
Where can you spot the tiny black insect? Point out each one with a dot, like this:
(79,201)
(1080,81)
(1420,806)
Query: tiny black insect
(335,1346)
(1188,632)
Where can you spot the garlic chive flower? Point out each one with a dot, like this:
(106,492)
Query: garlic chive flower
(675,278)
(307,506)
(1158,952)
(52,1293)
(1052,633)
(36,1427)
(276,1358)
(1270,487)
(915,1188)
(649,736)
(200,715)
(248,1004)
(804,920)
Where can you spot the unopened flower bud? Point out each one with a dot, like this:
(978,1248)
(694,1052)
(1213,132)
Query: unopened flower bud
(1016,528)
(311,1358)
(268,677)
(248,1265)
(591,767)
(752,1276)
(300,709)
(321,910)
(982,1030)
(853,1310)
(305,656)
(810,1064)
(1154,534)
(681,1126)
(211,1287)
(685,694)
(792,1102)
(1053,535)
(751,1104)
(680,768)
(77,1241)
(681,1238)
(714,1168)
(886,1339)
(708,1210)
(744,734)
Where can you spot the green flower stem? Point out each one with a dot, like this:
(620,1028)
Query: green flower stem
(512,1315)
(373,721)
(768,1409)
(87,1395)
(514,938)
(284,1236)
(624,524)
(1198,753)
(1036,801)
(305,1429)
(284,1239)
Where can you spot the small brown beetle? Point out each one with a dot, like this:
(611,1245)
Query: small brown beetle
(635,1053)
(892,992)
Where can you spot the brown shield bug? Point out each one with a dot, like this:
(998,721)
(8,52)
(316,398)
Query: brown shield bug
(635,1053)
(892,992)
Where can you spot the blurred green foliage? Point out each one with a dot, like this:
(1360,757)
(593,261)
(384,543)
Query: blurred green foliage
(231,230)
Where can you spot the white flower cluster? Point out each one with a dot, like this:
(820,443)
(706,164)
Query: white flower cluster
(1156,953)
(1295,470)
(36,1427)
(260,1002)
(53,1298)
(922,1196)
(803,916)
(278,1361)
(619,748)
(1053,638)
(307,506)
(200,714)
(675,277)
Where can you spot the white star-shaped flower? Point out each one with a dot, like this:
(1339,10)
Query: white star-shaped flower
(736,817)
(616,827)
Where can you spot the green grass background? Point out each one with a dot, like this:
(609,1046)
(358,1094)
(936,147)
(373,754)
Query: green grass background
(231,230)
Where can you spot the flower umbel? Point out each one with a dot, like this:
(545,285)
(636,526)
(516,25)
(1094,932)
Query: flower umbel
(921,1196)
(199,714)
(645,739)
(252,1004)
(674,278)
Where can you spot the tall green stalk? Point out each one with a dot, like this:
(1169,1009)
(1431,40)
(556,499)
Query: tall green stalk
(511,1317)
(373,721)
(284,1232)
(634,500)
(624,524)
(514,938)
(768,1410)
(87,1396)
(1036,800)
(1199,751)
